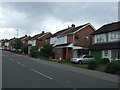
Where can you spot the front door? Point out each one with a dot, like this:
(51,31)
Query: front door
(64,53)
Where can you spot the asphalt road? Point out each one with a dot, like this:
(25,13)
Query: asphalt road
(22,72)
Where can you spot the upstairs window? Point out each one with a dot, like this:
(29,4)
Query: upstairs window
(100,38)
(114,35)
(85,38)
(77,37)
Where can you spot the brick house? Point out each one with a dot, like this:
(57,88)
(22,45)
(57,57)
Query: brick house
(40,39)
(2,44)
(45,39)
(7,43)
(106,42)
(25,40)
(72,42)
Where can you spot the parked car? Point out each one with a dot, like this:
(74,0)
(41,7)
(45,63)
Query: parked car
(7,49)
(13,50)
(82,59)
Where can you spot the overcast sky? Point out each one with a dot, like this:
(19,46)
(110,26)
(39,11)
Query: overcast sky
(34,17)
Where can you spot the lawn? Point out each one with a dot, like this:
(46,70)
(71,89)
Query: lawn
(100,67)
(75,65)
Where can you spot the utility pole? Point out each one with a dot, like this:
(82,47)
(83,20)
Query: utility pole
(17,32)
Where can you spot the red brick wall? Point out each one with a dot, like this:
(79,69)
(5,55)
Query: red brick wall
(69,54)
(84,32)
(44,40)
(70,38)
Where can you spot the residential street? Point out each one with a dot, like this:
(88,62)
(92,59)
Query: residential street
(23,72)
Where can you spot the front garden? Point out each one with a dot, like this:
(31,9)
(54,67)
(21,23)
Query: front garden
(103,65)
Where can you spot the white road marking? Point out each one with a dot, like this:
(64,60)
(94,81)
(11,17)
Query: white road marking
(20,64)
(11,59)
(41,74)
(68,81)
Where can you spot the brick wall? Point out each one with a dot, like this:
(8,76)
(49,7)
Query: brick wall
(44,40)
(84,32)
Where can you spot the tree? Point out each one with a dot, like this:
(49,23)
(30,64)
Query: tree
(46,51)
(17,43)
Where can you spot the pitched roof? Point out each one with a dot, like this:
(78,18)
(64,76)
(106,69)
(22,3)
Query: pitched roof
(73,29)
(69,30)
(37,36)
(108,28)
(23,37)
(27,38)
(45,34)
(59,32)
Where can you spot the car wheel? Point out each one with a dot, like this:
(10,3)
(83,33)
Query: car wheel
(80,62)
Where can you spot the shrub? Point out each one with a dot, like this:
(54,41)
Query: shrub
(112,67)
(25,49)
(34,51)
(92,65)
(46,51)
(105,61)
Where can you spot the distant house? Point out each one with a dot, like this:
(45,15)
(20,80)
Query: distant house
(45,39)
(7,43)
(106,42)
(40,39)
(72,42)
(25,40)
(2,44)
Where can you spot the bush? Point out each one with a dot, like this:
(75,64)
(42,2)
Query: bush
(46,51)
(105,61)
(34,51)
(112,67)
(92,65)
(25,49)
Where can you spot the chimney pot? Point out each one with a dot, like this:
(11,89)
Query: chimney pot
(73,25)
(43,32)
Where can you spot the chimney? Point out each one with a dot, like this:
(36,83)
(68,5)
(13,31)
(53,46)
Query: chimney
(73,26)
(43,32)
(25,35)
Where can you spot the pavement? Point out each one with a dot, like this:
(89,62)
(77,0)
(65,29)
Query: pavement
(20,71)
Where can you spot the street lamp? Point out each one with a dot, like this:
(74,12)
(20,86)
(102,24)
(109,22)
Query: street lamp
(17,32)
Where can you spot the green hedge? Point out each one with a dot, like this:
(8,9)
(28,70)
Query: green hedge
(104,61)
(34,51)
(92,65)
(113,67)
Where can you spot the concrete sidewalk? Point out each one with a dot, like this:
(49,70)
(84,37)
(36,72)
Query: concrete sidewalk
(87,72)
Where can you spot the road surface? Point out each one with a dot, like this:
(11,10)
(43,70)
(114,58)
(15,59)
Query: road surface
(23,72)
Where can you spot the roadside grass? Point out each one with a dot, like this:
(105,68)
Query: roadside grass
(101,67)
(75,65)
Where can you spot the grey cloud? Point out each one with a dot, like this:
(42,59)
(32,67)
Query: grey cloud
(30,16)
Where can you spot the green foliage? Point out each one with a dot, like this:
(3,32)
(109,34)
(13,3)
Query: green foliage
(92,65)
(113,67)
(46,51)
(34,51)
(105,61)
(17,43)
(25,49)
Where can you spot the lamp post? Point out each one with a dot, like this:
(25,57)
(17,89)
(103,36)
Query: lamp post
(17,32)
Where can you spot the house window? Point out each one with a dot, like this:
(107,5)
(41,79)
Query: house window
(105,53)
(58,50)
(86,38)
(100,38)
(77,36)
(23,41)
(115,54)
(115,35)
